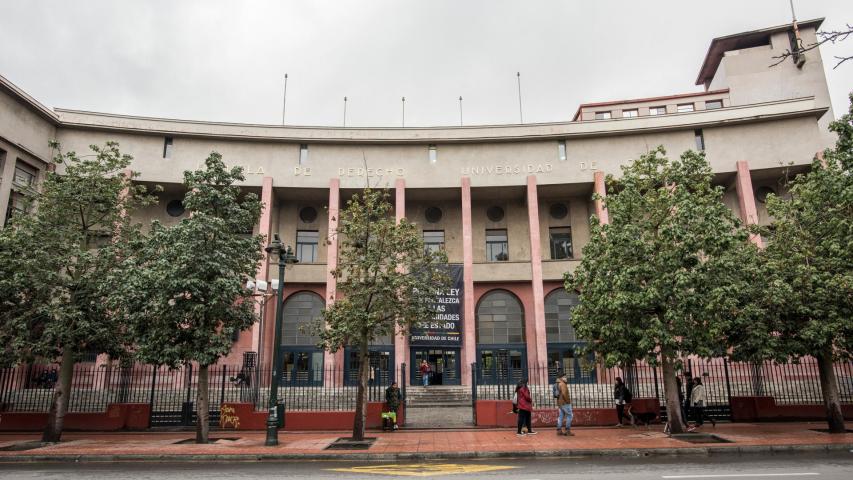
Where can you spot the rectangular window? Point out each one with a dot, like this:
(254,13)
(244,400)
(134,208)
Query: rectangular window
(18,205)
(303,154)
(433,154)
(497,246)
(167,147)
(561,242)
(561,149)
(602,115)
(630,113)
(25,176)
(433,240)
(713,104)
(306,245)
(700,139)
(657,110)
(684,107)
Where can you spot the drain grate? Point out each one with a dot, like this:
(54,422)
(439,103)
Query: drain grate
(699,438)
(350,444)
(209,440)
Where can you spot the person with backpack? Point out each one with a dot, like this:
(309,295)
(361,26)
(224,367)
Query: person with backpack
(523,402)
(560,391)
(622,397)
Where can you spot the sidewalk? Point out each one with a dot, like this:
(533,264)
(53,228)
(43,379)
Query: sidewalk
(425,444)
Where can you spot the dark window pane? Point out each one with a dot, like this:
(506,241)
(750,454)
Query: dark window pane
(561,242)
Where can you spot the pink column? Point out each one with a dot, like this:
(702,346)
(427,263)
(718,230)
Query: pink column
(401,341)
(333,360)
(746,199)
(600,210)
(263,272)
(537,347)
(603,219)
(469,346)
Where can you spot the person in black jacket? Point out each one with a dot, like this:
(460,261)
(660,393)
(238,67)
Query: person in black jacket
(622,398)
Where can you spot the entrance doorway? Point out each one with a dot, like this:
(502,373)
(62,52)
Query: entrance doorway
(381,366)
(504,366)
(444,363)
(564,358)
(301,366)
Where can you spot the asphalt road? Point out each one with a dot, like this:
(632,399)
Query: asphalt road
(777,466)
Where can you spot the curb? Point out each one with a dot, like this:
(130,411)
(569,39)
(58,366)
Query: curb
(573,453)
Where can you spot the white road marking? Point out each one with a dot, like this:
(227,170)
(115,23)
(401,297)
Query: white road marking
(734,475)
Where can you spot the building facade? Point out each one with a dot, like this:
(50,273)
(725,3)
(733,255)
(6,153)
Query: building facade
(510,204)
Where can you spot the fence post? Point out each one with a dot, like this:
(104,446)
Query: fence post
(222,393)
(151,396)
(474,392)
(728,382)
(655,376)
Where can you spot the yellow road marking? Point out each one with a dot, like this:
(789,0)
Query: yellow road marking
(422,469)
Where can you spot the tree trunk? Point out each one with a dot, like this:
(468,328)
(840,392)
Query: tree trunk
(829,387)
(670,391)
(59,403)
(360,410)
(202,426)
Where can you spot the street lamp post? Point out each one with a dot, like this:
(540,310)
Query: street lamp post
(285,257)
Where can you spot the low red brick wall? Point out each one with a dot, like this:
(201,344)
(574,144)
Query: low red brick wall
(118,416)
(242,416)
(758,409)
(498,413)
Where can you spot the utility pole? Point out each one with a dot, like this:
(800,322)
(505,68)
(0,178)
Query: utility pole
(460,110)
(520,114)
(284,103)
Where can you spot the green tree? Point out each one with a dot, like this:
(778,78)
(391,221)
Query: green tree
(666,278)
(386,279)
(183,292)
(53,264)
(809,259)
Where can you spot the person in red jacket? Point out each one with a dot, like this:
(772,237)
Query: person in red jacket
(525,408)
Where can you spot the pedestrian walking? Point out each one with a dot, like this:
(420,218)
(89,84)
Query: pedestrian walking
(564,406)
(698,401)
(622,398)
(525,408)
(425,372)
(392,400)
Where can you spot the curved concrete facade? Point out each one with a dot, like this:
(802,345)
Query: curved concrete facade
(751,120)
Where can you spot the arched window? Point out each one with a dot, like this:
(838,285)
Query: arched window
(500,319)
(558,316)
(301,313)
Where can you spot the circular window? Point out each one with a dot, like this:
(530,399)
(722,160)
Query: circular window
(308,214)
(433,214)
(559,210)
(175,208)
(495,213)
(762,192)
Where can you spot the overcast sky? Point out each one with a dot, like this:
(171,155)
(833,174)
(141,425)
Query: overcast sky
(226,60)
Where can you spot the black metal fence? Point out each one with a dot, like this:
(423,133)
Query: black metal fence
(790,383)
(172,392)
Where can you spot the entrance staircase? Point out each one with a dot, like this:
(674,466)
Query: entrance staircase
(438,406)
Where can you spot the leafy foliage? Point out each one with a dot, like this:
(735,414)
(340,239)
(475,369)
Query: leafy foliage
(809,262)
(54,262)
(386,279)
(183,290)
(671,274)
